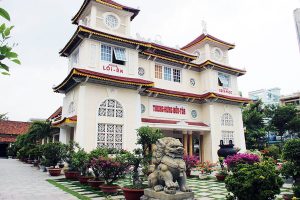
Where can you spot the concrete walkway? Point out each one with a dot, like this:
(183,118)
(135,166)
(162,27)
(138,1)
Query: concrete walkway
(19,181)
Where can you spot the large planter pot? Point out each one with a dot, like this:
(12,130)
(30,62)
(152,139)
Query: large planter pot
(36,163)
(72,175)
(95,184)
(54,171)
(84,179)
(133,194)
(226,149)
(111,189)
(220,177)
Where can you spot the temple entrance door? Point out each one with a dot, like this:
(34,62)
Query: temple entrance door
(198,146)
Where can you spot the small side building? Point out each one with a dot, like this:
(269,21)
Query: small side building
(9,130)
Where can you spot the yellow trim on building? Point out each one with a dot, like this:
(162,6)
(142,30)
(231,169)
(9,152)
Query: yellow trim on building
(212,40)
(110,5)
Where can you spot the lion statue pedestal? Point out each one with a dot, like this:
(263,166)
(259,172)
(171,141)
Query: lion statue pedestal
(168,178)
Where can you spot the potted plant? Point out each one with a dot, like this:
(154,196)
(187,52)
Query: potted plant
(53,153)
(72,172)
(205,168)
(190,162)
(80,160)
(96,153)
(136,189)
(111,169)
(221,174)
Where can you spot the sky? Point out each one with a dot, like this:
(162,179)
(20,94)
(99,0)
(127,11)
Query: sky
(263,31)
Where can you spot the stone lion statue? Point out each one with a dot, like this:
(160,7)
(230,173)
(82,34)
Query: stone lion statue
(168,169)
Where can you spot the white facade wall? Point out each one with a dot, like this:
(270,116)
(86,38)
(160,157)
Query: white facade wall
(87,97)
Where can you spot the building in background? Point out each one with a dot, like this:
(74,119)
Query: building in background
(292,99)
(267,96)
(297,22)
(116,84)
(9,130)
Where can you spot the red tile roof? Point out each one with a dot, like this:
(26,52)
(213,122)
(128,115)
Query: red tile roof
(56,114)
(197,96)
(110,3)
(13,127)
(221,66)
(83,29)
(203,37)
(101,76)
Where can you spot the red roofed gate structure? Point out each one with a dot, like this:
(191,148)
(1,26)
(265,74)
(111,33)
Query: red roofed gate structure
(9,130)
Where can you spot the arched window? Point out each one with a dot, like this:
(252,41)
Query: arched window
(226,120)
(111,108)
(110,135)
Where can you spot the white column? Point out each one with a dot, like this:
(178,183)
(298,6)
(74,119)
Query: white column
(213,133)
(93,17)
(81,126)
(64,135)
(207,51)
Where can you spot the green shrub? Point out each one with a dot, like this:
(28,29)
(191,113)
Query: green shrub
(291,151)
(80,161)
(259,181)
(272,151)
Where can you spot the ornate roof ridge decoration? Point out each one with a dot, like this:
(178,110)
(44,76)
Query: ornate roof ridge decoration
(167,121)
(56,114)
(109,3)
(208,37)
(75,72)
(144,44)
(66,120)
(222,66)
(208,95)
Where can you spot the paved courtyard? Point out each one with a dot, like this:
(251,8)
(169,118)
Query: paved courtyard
(20,181)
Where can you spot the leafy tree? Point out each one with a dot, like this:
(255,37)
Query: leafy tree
(3,116)
(253,118)
(6,52)
(285,119)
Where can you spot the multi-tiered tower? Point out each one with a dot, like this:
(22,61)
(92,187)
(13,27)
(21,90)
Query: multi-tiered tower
(117,84)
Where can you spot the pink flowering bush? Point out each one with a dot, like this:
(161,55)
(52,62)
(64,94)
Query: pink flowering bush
(190,161)
(110,169)
(241,158)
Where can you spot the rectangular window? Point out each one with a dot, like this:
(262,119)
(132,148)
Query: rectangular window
(176,75)
(113,54)
(106,53)
(167,73)
(226,136)
(120,54)
(158,71)
(223,80)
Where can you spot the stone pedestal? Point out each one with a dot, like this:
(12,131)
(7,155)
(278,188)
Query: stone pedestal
(150,194)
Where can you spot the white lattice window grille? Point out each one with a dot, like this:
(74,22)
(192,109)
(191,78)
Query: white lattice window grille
(111,108)
(110,135)
(226,136)
(226,120)
(111,21)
